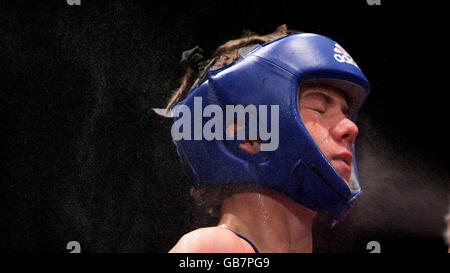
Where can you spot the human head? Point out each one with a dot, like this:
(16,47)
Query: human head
(272,73)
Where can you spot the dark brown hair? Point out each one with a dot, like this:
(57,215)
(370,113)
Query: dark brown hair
(225,54)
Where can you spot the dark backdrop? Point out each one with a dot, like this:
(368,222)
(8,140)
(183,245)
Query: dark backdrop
(84,158)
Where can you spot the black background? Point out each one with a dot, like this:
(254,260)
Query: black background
(84,158)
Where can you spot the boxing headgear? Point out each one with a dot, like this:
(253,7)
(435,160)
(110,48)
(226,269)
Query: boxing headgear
(271,75)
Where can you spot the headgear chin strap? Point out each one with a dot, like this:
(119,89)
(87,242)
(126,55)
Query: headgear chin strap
(271,74)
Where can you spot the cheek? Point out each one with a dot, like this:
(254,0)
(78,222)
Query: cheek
(320,134)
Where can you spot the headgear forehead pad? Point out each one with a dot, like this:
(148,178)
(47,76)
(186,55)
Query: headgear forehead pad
(270,75)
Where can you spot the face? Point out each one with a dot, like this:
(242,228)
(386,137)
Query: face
(324,112)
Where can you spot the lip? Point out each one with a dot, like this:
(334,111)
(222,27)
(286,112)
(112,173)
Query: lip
(345,157)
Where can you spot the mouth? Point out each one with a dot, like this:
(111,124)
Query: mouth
(343,164)
(346,157)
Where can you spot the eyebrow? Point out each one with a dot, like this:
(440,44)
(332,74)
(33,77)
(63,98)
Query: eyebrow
(329,100)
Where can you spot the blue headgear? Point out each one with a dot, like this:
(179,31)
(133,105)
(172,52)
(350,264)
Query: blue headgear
(271,74)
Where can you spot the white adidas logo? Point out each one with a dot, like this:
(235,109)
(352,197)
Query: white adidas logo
(342,56)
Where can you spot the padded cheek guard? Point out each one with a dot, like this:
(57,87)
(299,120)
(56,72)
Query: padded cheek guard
(271,74)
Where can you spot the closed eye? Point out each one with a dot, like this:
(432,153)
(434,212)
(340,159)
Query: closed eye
(320,111)
(316,110)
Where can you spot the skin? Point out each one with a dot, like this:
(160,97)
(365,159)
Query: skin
(272,221)
(324,112)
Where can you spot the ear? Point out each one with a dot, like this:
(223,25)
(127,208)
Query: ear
(249,146)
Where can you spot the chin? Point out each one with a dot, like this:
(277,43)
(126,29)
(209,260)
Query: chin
(343,170)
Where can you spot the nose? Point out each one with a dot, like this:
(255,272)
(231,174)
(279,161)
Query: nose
(345,132)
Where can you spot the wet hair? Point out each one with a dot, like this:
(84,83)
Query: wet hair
(210,198)
(225,55)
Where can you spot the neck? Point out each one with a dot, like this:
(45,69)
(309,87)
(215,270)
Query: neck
(272,221)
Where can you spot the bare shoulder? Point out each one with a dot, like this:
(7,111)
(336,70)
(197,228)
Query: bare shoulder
(209,240)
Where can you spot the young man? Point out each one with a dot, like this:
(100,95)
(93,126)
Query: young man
(273,187)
